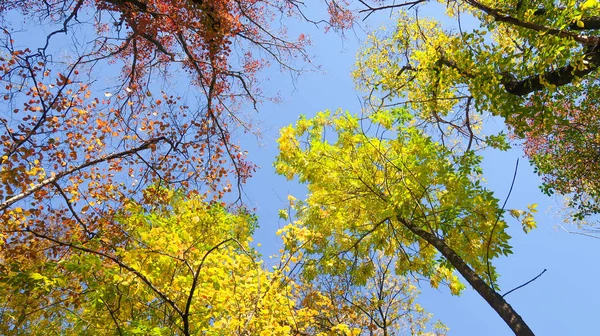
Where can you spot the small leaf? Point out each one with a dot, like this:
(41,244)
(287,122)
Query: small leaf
(283,214)
(516,213)
(588,5)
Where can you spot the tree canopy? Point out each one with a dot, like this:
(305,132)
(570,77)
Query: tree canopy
(122,208)
(186,267)
(533,64)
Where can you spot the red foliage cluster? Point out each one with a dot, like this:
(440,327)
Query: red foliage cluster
(566,150)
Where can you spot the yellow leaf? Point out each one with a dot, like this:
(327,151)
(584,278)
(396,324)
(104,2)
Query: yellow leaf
(588,5)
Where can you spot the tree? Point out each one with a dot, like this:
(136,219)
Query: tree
(532,63)
(393,190)
(94,240)
(184,267)
(380,304)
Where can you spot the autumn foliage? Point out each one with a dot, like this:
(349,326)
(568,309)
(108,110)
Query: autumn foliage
(111,98)
(564,150)
(187,267)
(120,95)
(121,173)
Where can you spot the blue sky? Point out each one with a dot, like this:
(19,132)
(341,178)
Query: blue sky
(561,302)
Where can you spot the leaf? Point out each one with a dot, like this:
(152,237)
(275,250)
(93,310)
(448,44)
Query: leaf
(516,213)
(37,276)
(532,208)
(529,224)
(588,4)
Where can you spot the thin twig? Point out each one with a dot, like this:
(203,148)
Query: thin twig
(487,257)
(525,284)
(580,233)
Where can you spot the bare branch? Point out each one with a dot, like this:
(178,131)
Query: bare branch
(525,284)
(489,243)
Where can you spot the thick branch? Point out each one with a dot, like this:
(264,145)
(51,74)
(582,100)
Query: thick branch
(536,82)
(590,23)
(558,77)
(500,17)
(495,300)
(134,4)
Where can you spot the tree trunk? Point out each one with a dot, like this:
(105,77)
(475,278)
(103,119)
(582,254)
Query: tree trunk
(495,300)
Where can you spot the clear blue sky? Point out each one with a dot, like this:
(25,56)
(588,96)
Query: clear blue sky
(563,301)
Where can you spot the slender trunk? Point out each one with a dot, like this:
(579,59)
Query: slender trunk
(495,300)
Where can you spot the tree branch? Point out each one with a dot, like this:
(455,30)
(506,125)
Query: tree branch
(114,259)
(558,77)
(525,284)
(188,305)
(371,9)
(500,17)
(55,177)
(590,23)
(489,242)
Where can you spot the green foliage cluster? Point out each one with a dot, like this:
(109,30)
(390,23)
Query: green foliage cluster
(362,187)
